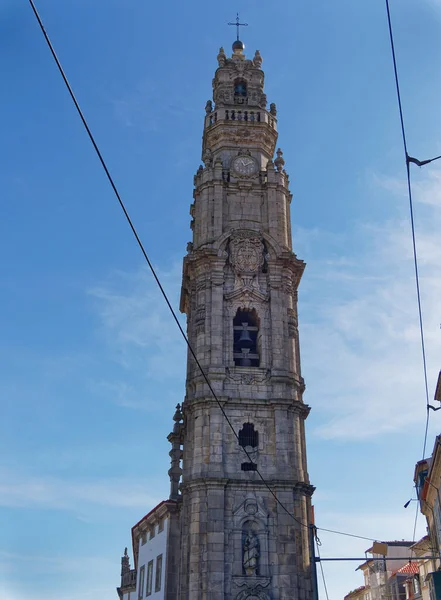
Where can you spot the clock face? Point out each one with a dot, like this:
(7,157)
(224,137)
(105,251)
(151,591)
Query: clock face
(244,165)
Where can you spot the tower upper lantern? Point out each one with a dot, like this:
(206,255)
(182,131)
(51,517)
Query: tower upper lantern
(240,114)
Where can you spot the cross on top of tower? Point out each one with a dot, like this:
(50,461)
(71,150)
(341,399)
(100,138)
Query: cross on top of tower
(237,24)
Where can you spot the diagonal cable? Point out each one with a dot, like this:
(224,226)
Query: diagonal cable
(409,160)
(150,265)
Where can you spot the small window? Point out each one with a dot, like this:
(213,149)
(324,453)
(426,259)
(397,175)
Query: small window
(248,466)
(143,539)
(149,578)
(158,575)
(417,586)
(141,582)
(152,532)
(240,88)
(161,525)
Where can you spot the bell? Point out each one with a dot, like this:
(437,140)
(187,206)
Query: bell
(245,360)
(245,340)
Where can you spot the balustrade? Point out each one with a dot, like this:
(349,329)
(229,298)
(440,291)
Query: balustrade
(230,114)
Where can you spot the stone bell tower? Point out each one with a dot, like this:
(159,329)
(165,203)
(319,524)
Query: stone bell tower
(239,293)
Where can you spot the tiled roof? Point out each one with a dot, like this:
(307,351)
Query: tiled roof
(411,568)
(355,592)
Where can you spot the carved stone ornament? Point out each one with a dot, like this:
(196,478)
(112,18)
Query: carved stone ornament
(200,319)
(207,157)
(257,594)
(248,378)
(246,253)
(292,323)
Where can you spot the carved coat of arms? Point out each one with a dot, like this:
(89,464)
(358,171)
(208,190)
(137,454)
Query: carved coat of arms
(246,253)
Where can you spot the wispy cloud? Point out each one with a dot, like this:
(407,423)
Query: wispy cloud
(137,323)
(28,491)
(146,107)
(360,340)
(141,336)
(36,563)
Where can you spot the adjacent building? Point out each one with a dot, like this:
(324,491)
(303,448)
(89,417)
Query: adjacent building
(423,551)
(225,533)
(387,572)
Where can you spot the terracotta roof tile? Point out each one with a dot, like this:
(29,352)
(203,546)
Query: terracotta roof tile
(411,568)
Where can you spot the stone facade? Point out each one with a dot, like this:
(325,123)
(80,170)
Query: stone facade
(239,292)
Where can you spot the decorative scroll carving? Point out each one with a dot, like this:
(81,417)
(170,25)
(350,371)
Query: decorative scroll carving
(292,323)
(256,594)
(248,378)
(207,157)
(200,319)
(201,285)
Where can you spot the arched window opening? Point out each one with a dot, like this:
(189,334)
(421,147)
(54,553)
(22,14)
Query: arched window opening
(246,330)
(240,91)
(248,436)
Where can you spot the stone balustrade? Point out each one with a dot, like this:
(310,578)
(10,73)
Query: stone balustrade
(234,114)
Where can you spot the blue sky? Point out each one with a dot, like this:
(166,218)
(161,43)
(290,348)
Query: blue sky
(91,364)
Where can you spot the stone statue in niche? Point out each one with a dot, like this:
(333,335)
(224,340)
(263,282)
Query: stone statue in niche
(251,554)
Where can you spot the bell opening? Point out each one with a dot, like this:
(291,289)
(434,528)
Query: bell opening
(246,331)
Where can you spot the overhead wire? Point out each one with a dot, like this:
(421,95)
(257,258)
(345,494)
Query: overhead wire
(408,160)
(158,282)
(149,263)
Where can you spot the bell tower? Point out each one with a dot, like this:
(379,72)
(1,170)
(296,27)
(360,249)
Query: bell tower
(239,292)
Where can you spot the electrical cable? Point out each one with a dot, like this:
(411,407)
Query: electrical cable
(152,269)
(408,160)
(360,537)
(150,265)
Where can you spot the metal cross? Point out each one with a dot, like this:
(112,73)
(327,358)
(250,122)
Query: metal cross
(238,24)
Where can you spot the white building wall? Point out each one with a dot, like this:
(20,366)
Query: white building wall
(149,552)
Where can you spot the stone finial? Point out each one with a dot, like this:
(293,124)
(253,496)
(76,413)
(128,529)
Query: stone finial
(279,162)
(209,107)
(273,109)
(257,60)
(175,454)
(178,414)
(221,57)
(207,157)
(125,563)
